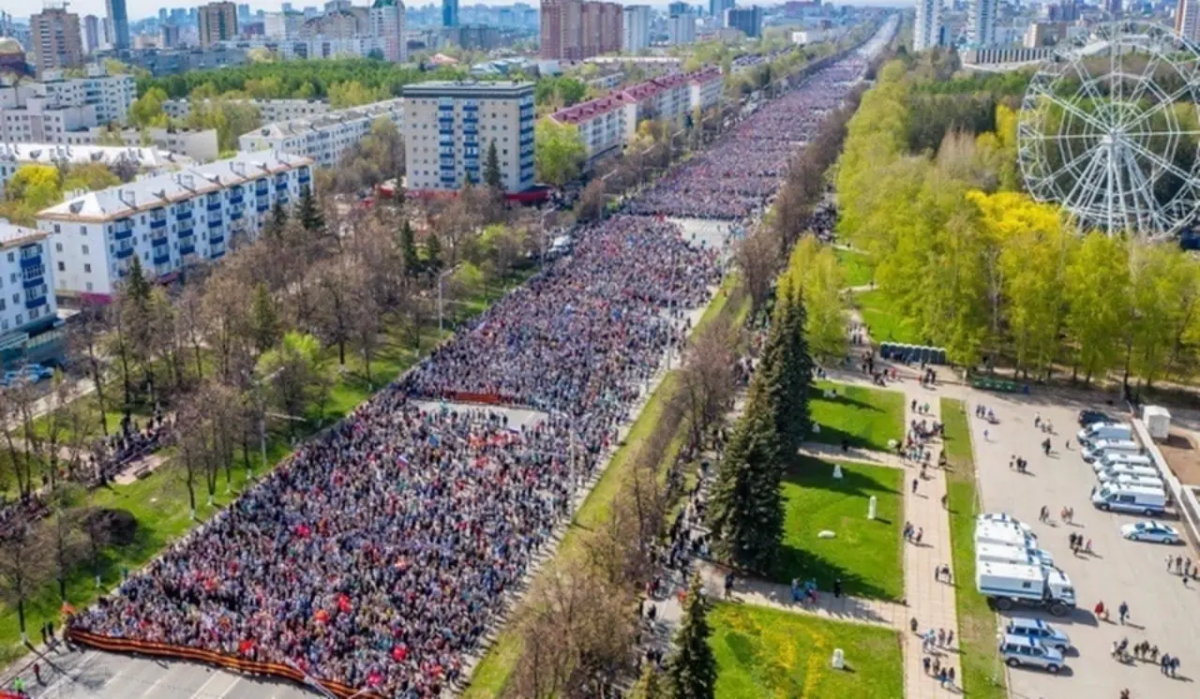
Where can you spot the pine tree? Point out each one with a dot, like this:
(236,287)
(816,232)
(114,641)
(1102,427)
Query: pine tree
(799,371)
(277,222)
(408,250)
(137,289)
(746,512)
(692,670)
(491,169)
(433,253)
(785,355)
(310,214)
(265,319)
(649,685)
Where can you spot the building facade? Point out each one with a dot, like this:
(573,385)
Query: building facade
(635,34)
(217,22)
(449,13)
(573,30)
(748,19)
(268,110)
(450,126)
(15,155)
(91,34)
(981,24)
(1187,19)
(927,31)
(282,26)
(169,221)
(717,9)
(27,308)
(118,23)
(387,29)
(56,40)
(325,138)
(681,29)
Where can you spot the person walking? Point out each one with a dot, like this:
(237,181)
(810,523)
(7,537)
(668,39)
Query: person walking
(1123,612)
(837,588)
(914,485)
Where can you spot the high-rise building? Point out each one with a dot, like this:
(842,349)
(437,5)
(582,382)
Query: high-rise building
(55,39)
(470,118)
(169,35)
(717,8)
(748,19)
(217,22)
(91,33)
(118,22)
(449,13)
(636,30)
(243,12)
(387,27)
(681,28)
(573,30)
(981,24)
(162,15)
(282,26)
(927,32)
(1187,19)
(678,8)
(1113,7)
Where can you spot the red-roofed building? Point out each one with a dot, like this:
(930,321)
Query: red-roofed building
(601,122)
(705,88)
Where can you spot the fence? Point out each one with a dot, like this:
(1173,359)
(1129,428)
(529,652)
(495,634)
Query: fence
(1184,497)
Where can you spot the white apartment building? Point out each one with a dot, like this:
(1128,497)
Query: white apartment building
(324,138)
(601,123)
(681,29)
(269,110)
(26,305)
(705,88)
(282,26)
(927,31)
(168,221)
(981,24)
(111,95)
(450,126)
(387,26)
(1187,19)
(636,29)
(149,160)
(668,98)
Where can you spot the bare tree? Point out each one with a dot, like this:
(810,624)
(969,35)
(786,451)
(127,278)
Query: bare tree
(25,565)
(758,258)
(707,377)
(87,340)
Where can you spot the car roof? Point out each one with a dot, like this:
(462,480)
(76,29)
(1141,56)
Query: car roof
(1028,621)
(1017,639)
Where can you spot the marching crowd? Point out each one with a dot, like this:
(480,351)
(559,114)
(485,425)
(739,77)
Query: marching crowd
(376,555)
(736,176)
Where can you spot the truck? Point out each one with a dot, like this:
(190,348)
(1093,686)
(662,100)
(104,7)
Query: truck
(1008,585)
(1003,534)
(1002,553)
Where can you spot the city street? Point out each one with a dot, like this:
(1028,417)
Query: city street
(1162,609)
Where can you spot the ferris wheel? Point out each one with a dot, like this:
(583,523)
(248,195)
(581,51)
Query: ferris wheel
(1109,130)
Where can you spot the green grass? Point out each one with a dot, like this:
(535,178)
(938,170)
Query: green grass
(856,267)
(763,653)
(976,621)
(884,323)
(864,417)
(865,555)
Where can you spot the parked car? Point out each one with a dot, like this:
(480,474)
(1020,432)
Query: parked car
(1003,518)
(12,378)
(1024,650)
(1087,417)
(37,372)
(1153,531)
(1036,628)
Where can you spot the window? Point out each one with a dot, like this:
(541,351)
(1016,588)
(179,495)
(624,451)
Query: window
(85,249)
(89,286)
(12,258)
(16,298)
(57,228)
(87,269)
(62,267)
(58,247)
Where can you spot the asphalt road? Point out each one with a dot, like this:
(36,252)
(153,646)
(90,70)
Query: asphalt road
(1162,609)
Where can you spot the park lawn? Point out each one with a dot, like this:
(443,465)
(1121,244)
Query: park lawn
(856,267)
(865,555)
(764,653)
(865,417)
(976,621)
(885,323)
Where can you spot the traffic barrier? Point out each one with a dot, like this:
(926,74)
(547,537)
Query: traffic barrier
(163,650)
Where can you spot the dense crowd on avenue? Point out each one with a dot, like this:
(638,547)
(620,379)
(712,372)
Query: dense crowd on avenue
(376,555)
(737,175)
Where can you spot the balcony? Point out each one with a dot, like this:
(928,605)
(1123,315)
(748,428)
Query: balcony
(236,198)
(31,261)
(282,198)
(36,301)
(187,246)
(215,222)
(263,205)
(280,184)
(216,254)
(161,255)
(183,214)
(124,229)
(123,253)
(236,213)
(214,205)
(216,239)
(157,223)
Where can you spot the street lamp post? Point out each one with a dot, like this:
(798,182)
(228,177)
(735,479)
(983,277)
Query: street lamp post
(441,315)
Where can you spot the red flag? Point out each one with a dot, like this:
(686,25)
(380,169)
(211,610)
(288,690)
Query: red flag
(374,679)
(245,647)
(344,604)
(399,653)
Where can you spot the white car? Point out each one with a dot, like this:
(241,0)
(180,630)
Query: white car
(1002,518)
(1156,532)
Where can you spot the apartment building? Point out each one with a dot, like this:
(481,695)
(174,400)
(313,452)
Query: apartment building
(269,110)
(665,99)
(927,30)
(681,29)
(111,95)
(601,123)
(450,126)
(704,88)
(748,19)
(573,30)
(324,138)
(14,155)
(217,22)
(168,221)
(56,40)
(27,308)
(636,30)
(387,28)
(282,26)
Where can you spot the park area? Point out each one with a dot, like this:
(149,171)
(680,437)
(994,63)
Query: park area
(856,267)
(767,654)
(865,418)
(884,323)
(864,554)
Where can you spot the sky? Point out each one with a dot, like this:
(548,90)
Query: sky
(141,9)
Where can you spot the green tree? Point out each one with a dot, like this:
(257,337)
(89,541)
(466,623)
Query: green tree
(571,91)
(491,169)
(310,214)
(147,110)
(433,253)
(560,152)
(692,669)
(264,318)
(650,685)
(36,186)
(294,364)
(277,223)
(1097,283)
(92,177)
(408,250)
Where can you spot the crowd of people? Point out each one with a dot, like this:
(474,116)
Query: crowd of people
(376,555)
(112,454)
(735,177)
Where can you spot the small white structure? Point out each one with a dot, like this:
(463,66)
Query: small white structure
(1158,421)
(837,471)
(839,659)
(872,504)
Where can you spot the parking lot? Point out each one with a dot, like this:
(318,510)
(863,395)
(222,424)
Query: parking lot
(1162,609)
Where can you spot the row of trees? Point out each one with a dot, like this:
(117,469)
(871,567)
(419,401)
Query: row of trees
(980,268)
(35,187)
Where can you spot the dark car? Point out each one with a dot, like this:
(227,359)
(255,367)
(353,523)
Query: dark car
(1088,417)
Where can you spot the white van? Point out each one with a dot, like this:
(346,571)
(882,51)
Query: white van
(1130,498)
(1106,447)
(1138,481)
(1004,535)
(1123,458)
(1104,431)
(1116,471)
(1001,553)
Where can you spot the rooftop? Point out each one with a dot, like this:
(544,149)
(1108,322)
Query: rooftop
(12,234)
(283,129)
(450,87)
(55,153)
(153,192)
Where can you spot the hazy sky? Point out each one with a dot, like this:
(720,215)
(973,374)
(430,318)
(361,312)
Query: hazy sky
(140,9)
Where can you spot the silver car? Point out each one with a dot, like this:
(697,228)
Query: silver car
(1040,631)
(1024,650)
